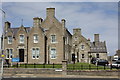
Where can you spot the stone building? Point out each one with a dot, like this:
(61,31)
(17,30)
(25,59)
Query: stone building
(84,49)
(45,42)
(49,41)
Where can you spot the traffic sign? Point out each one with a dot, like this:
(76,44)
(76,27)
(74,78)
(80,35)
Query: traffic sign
(15,59)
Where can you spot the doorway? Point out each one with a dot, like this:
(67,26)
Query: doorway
(21,55)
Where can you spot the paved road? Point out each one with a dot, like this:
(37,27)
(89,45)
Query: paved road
(58,79)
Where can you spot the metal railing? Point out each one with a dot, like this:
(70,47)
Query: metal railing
(18,65)
(91,67)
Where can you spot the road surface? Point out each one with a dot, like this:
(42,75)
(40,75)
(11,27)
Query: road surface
(60,79)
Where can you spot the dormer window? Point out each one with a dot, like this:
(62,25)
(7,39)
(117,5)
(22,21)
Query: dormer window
(21,38)
(35,38)
(9,39)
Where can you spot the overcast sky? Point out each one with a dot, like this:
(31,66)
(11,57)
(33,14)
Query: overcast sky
(91,17)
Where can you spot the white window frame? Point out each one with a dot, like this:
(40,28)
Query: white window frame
(36,53)
(53,40)
(54,54)
(9,53)
(35,38)
(33,53)
(21,41)
(9,39)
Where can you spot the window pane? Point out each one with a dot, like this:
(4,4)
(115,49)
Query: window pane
(82,55)
(7,53)
(53,53)
(35,38)
(9,39)
(21,38)
(33,53)
(53,38)
(37,52)
(97,55)
(82,46)
(10,53)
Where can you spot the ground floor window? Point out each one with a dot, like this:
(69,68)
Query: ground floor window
(9,53)
(35,53)
(53,53)
(97,55)
(83,55)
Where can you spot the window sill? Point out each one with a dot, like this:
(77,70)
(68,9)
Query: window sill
(35,42)
(9,43)
(53,58)
(54,42)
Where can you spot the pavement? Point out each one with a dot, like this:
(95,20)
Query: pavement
(54,75)
(60,79)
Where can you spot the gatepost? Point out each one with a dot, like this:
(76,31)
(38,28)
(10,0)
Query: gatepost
(64,67)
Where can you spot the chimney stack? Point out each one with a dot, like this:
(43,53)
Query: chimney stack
(96,37)
(63,22)
(37,21)
(50,12)
(77,31)
(63,25)
(7,25)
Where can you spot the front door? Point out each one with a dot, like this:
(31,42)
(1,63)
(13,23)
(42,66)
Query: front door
(21,55)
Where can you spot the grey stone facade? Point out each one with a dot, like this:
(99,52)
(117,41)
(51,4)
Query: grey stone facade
(49,41)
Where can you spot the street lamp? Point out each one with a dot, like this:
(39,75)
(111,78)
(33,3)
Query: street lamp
(3,29)
(2,47)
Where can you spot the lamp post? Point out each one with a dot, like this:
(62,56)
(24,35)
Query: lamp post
(2,47)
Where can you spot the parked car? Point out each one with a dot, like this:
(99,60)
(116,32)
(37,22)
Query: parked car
(93,60)
(102,62)
(116,64)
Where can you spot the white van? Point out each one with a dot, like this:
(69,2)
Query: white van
(115,58)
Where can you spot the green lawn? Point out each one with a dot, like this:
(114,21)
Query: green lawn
(76,66)
(86,66)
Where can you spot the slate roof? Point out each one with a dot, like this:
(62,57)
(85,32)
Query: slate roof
(98,47)
(15,30)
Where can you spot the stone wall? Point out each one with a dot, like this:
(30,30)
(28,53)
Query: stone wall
(30,71)
(14,71)
(94,73)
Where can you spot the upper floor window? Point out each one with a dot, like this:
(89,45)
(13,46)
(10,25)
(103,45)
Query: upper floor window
(53,38)
(21,38)
(9,53)
(66,40)
(82,47)
(75,38)
(9,39)
(97,55)
(35,53)
(35,38)
(53,53)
